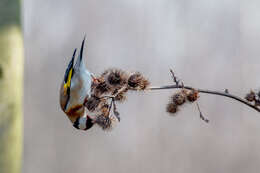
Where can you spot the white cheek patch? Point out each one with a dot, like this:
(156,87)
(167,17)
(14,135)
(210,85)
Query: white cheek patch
(82,123)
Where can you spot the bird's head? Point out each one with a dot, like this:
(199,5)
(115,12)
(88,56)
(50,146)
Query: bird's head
(76,86)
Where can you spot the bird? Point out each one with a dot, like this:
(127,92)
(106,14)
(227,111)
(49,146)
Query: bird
(75,90)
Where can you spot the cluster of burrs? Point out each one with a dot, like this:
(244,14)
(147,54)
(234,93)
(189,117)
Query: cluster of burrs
(111,87)
(189,94)
(113,84)
(182,96)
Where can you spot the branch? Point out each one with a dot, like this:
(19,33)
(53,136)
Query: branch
(113,85)
(224,94)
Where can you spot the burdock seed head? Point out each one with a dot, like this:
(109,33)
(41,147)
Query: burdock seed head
(179,98)
(137,82)
(103,121)
(106,122)
(115,78)
(250,96)
(192,95)
(172,107)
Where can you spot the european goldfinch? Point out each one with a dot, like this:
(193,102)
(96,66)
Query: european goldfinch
(75,89)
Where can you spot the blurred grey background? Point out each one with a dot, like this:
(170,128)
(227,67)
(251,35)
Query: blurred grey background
(211,44)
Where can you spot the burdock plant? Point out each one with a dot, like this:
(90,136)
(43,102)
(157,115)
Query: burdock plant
(113,84)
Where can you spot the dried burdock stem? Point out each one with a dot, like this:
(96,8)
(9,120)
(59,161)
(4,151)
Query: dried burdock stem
(224,94)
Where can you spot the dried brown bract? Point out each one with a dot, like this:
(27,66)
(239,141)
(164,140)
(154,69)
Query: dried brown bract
(137,82)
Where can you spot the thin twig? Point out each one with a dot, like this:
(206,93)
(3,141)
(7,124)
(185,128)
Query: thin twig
(201,115)
(107,97)
(175,80)
(111,104)
(208,92)
(116,113)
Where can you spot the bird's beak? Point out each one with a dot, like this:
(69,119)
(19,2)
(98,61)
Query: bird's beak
(69,73)
(79,60)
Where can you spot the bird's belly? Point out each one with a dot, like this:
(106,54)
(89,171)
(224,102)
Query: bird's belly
(79,92)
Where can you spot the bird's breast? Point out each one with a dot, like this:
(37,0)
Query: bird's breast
(74,112)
